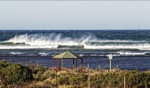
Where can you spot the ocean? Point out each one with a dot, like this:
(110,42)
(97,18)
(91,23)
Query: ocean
(130,48)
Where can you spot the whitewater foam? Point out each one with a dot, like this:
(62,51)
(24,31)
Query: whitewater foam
(131,53)
(16,53)
(43,53)
(53,40)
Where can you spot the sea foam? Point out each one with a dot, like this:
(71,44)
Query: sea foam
(53,40)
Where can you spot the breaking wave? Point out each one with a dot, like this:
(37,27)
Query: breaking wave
(16,53)
(43,54)
(131,53)
(54,41)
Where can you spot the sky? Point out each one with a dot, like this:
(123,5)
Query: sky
(74,15)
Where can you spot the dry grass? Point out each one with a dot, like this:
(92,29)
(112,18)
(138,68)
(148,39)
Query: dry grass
(70,78)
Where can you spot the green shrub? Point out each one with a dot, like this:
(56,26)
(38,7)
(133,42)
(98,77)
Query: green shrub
(39,69)
(77,79)
(63,79)
(4,64)
(44,77)
(138,79)
(2,80)
(16,72)
(38,73)
(49,74)
(134,79)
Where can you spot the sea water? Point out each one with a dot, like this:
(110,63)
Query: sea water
(130,48)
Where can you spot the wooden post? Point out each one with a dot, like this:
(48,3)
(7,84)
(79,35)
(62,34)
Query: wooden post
(56,80)
(73,63)
(62,63)
(99,67)
(89,78)
(88,66)
(124,82)
(64,86)
(82,62)
(76,62)
(89,83)
(54,62)
(78,78)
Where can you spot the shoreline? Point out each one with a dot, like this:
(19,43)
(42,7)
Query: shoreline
(140,63)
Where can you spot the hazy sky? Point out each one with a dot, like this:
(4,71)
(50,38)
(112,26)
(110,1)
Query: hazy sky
(74,14)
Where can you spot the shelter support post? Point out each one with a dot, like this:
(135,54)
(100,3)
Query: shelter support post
(73,63)
(76,62)
(61,63)
(81,62)
(54,62)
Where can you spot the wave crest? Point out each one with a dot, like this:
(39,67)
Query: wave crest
(53,40)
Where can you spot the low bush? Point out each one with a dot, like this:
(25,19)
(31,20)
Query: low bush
(112,79)
(38,73)
(13,75)
(15,72)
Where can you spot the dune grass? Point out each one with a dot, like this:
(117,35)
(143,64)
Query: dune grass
(36,76)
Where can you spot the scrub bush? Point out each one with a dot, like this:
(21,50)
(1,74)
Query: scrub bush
(15,72)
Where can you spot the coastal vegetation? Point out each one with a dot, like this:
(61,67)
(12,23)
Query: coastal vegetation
(36,76)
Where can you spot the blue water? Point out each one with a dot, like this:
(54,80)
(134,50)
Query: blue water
(101,34)
(131,48)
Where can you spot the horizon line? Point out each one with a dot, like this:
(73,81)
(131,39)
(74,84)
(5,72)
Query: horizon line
(74,0)
(70,29)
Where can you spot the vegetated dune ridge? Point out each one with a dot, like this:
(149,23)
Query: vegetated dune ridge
(36,76)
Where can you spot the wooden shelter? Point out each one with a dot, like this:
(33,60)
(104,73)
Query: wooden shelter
(66,55)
